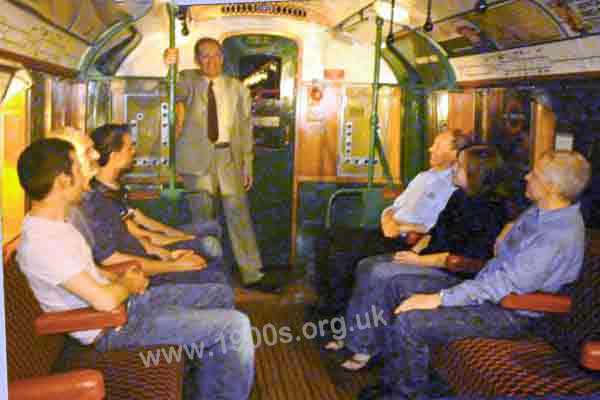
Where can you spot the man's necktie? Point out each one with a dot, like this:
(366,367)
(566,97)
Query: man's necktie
(212,119)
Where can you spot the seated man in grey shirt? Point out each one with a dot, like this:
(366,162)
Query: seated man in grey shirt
(542,252)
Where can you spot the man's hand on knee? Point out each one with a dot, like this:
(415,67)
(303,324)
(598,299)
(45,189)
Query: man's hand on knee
(419,302)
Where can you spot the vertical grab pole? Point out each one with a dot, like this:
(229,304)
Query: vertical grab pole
(172,84)
(375,103)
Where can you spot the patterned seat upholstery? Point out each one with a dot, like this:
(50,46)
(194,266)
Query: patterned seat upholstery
(545,364)
(494,367)
(126,375)
(30,355)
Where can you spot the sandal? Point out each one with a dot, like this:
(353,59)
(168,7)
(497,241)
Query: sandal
(356,362)
(334,345)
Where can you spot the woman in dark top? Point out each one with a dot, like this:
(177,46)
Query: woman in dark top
(468,226)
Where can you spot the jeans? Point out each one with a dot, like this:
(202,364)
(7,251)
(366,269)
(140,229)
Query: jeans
(372,277)
(408,340)
(213,273)
(207,242)
(215,338)
(338,252)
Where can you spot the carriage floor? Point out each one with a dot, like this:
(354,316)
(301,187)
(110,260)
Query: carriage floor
(297,368)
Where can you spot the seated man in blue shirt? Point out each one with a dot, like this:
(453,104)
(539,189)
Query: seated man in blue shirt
(198,318)
(118,233)
(542,252)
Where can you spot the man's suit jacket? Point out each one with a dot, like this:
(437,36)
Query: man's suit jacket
(194,150)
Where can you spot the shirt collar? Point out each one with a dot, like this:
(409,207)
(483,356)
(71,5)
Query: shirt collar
(108,191)
(569,212)
(215,81)
(444,174)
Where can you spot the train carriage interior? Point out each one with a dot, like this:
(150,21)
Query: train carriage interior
(347,100)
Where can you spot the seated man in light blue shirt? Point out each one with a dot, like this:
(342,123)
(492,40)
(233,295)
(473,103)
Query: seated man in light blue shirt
(542,252)
(418,207)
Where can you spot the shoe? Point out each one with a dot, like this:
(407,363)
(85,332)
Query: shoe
(356,362)
(334,345)
(268,283)
(373,392)
(251,279)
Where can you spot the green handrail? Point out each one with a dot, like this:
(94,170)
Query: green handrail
(172,83)
(375,104)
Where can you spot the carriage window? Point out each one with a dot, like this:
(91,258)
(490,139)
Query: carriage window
(261,74)
(13,133)
(267,65)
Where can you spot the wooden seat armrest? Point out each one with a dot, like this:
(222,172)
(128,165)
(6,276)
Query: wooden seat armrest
(541,302)
(83,319)
(413,238)
(391,193)
(590,355)
(85,384)
(122,267)
(457,263)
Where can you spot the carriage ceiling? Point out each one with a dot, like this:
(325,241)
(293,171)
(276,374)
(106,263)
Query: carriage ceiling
(505,24)
(63,32)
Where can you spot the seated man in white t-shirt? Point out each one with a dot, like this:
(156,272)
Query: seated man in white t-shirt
(193,315)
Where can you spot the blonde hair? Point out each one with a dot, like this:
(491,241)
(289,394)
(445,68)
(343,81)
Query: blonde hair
(76,138)
(69,134)
(569,171)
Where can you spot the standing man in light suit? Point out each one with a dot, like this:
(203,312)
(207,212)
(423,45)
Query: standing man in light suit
(215,149)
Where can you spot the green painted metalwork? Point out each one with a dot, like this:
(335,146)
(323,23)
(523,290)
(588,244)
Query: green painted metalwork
(398,62)
(371,198)
(413,138)
(100,78)
(406,49)
(398,69)
(375,103)
(450,82)
(417,80)
(172,193)
(87,69)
